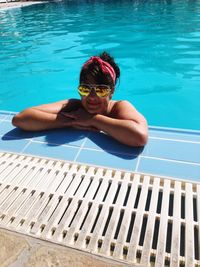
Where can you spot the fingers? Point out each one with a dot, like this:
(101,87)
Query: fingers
(82,127)
(78,119)
(68,122)
(87,128)
(94,129)
(68,115)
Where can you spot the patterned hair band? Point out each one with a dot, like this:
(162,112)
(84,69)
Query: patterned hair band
(105,67)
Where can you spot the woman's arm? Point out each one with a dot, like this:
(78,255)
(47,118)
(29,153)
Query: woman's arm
(125,131)
(125,123)
(44,117)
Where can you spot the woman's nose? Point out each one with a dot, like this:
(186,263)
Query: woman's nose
(92,93)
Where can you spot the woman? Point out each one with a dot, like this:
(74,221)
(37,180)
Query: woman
(95,111)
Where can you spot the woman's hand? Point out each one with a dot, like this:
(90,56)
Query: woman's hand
(81,119)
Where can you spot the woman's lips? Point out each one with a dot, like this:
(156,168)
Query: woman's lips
(91,104)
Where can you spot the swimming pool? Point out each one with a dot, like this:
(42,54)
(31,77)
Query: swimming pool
(156,44)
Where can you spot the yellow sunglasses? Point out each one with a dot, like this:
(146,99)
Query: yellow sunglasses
(100,90)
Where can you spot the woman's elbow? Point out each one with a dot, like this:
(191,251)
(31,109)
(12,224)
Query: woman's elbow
(143,133)
(19,121)
(16,120)
(138,140)
(143,138)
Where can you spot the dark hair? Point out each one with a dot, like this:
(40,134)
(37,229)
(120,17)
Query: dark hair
(94,71)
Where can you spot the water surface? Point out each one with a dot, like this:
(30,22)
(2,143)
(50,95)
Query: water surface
(155,43)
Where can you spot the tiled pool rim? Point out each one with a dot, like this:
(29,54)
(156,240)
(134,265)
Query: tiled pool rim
(169,152)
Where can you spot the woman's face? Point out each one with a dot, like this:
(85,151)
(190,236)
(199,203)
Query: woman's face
(95,104)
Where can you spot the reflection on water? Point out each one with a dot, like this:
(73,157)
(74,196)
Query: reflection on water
(155,42)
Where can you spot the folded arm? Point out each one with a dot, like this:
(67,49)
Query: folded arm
(44,117)
(125,131)
(125,123)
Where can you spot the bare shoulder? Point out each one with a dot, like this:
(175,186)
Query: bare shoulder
(56,107)
(123,109)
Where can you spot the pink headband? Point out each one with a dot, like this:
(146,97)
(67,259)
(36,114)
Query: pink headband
(105,66)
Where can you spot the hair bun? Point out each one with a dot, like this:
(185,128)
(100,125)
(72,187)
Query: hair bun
(106,57)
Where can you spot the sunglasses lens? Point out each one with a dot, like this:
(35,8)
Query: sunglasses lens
(102,91)
(83,90)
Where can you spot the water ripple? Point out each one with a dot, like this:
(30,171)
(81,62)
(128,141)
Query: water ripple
(155,42)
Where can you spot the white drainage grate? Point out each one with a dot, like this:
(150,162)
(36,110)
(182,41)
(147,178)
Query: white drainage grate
(128,217)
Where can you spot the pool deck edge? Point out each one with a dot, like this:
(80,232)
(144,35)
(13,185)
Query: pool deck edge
(169,152)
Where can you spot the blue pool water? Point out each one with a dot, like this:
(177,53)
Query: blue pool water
(156,43)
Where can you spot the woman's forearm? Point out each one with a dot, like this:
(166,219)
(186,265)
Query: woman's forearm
(125,131)
(36,120)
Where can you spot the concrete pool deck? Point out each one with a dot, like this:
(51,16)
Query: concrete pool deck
(169,152)
(10,5)
(25,251)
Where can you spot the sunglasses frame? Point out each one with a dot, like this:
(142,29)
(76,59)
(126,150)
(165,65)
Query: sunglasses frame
(95,86)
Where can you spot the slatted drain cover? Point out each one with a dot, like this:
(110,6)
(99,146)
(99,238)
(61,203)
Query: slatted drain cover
(124,216)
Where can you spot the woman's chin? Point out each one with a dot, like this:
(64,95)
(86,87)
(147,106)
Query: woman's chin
(93,109)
